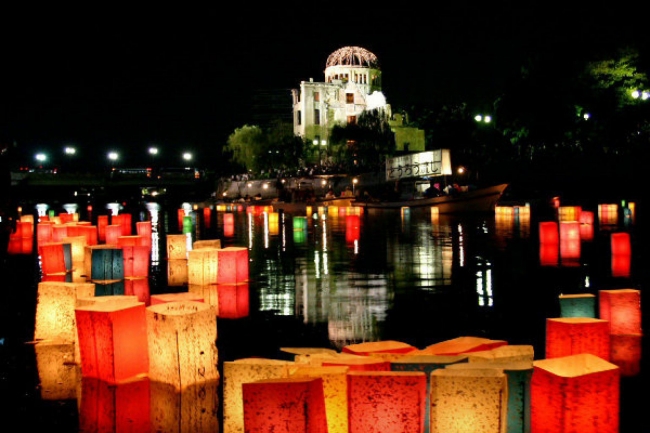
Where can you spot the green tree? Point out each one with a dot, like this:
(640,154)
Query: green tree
(285,149)
(366,144)
(246,148)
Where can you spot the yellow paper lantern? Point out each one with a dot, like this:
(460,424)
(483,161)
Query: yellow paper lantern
(55,309)
(177,272)
(202,266)
(182,343)
(468,400)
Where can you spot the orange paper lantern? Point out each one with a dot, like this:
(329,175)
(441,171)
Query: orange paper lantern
(232,265)
(622,308)
(574,335)
(575,394)
(233,302)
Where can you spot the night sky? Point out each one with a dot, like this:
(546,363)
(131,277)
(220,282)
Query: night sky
(182,79)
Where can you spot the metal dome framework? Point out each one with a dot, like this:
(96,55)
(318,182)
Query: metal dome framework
(352,56)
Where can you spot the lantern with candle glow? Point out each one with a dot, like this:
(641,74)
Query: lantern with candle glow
(56,257)
(192,409)
(78,246)
(109,407)
(103,262)
(569,213)
(573,335)
(182,343)
(177,247)
(55,309)
(59,231)
(335,391)
(102,223)
(208,293)
(622,309)
(295,404)
(575,394)
(274,223)
(113,340)
(125,220)
(519,374)
(232,267)
(608,214)
(143,229)
(621,265)
(44,233)
(90,232)
(57,371)
(468,400)
(549,254)
(233,301)
(386,401)
(426,364)
(352,228)
(548,232)
(577,305)
(246,370)
(202,266)
(113,233)
(569,241)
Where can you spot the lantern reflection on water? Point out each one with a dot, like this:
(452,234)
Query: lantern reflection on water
(192,409)
(575,394)
(622,308)
(57,370)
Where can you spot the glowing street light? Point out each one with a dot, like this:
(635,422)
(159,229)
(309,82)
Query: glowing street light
(483,118)
(644,95)
(113,156)
(153,151)
(354,184)
(68,150)
(40,157)
(187,156)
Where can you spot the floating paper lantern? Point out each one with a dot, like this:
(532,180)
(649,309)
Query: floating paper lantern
(504,354)
(386,401)
(586,217)
(519,374)
(207,217)
(288,405)
(241,371)
(55,309)
(573,335)
(569,213)
(102,223)
(426,364)
(103,262)
(233,301)
(468,400)
(177,272)
(373,347)
(586,232)
(90,232)
(232,265)
(549,254)
(460,345)
(113,340)
(622,309)
(136,260)
(578,305)
(59,231)
(352,228)
(192,409)
(548,232)
(138,287)
(177,247)
(206,243)
(44,233)
(188,225)
(228,218)
(575,394)
(77,245)
(125,221)
(335,391)
(620,243)
(621,265)
(113,233)
(57,371)
(107,407)
(202,266)
(608,214)
(569,241)
(182,343)
(274,223)
(55,258)
(144,229)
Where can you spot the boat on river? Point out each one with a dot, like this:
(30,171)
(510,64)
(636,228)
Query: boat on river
(478,200)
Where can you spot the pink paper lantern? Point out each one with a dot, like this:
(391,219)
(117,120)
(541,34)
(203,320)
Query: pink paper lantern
(234,302)
(233,265)
(548,232)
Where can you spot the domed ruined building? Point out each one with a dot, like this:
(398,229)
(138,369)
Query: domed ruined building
(352,84)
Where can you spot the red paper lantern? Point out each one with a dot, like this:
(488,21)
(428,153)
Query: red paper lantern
(207,217)
(138,287)
(621,265)
(284,406)
(113,340)
(113,232)
(143,229)
(575,394)
(102,223)
(233,265)
(54,258)
(386,401)
(136,260)
(44,233)
(352,228)
(622,309)
(549,254)
(548,232)
(626,353)
(620,243)
(574,335)
(375,347)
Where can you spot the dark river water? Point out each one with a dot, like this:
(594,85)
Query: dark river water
(342,278)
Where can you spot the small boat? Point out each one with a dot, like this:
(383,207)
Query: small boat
(472,201)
